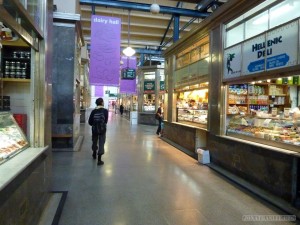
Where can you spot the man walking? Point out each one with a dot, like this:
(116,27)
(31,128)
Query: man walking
(98,120)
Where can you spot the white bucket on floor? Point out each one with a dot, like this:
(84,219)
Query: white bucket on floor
(203,156)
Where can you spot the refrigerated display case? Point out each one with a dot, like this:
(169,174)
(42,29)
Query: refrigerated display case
(278,129)
(192,115)
(12,138)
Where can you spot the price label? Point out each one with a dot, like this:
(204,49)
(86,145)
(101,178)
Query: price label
(266,122)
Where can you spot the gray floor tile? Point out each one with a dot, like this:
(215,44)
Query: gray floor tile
(146,181)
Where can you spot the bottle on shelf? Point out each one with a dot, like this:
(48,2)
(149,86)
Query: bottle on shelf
(15,55)
(18,70)
(7,69)
(23,70)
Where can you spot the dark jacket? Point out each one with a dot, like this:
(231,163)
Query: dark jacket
(159,112)
(98,109)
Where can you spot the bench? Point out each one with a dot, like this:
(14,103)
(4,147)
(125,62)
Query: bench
(67,137)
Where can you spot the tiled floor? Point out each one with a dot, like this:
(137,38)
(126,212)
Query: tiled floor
(146,181)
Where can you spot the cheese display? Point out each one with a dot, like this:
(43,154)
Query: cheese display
(192,115)
(192,106)
(279,128)
(12,139)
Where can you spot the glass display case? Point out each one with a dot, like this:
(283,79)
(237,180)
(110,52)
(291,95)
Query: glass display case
(12,138)
(192,115)
(265,112)
(280,128)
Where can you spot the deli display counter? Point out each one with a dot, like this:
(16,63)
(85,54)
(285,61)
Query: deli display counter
(192,106)
(271,130)
(12,138)
(194,117)
(265,112)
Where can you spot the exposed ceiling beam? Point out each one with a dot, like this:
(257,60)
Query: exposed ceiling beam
(145,7)
(203,5)
(190,1)
(86,12)
(139,50)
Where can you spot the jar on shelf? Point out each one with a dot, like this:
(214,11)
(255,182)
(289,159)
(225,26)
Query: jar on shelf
(12,69)
(7,69)
(27,55)
(15,54)
(23,70)
(18,70)
(22,55)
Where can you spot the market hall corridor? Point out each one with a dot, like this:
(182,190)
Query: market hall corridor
(146,181)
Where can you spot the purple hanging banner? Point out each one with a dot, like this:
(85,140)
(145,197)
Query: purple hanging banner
(99,91)
(105,51)
(128,86)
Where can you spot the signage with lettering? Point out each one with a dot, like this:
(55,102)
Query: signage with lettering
(162,85)
(272,50)
(128,86)
(281,46)
(253,59)
(105,51)
(149,86)
(275,49)
(128,74)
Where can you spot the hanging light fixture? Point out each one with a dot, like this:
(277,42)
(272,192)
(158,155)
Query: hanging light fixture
(128,51)
(154,8)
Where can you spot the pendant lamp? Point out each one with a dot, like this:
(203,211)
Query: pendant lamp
(154,8)
(128,51)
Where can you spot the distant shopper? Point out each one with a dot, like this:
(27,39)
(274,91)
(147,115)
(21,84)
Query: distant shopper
(160,116)
(121,109)
(98,120)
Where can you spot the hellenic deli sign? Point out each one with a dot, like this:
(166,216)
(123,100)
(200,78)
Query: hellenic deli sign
(272,50)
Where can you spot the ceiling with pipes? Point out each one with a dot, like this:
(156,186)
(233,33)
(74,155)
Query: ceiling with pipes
(149,32)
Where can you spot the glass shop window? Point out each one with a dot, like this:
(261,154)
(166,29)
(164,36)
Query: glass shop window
(233,36)
(284,12)
(256,25)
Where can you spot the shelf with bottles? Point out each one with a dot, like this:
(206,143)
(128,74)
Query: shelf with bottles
(16,62)
(237,99)
(244,98)
(278,89)
(237,94)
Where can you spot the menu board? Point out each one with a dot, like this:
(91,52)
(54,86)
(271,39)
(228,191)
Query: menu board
(128,74)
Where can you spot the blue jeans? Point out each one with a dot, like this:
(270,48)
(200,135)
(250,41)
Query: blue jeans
(159,126)
(98,143)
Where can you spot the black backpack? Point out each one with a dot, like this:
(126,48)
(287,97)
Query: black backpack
(99,125)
